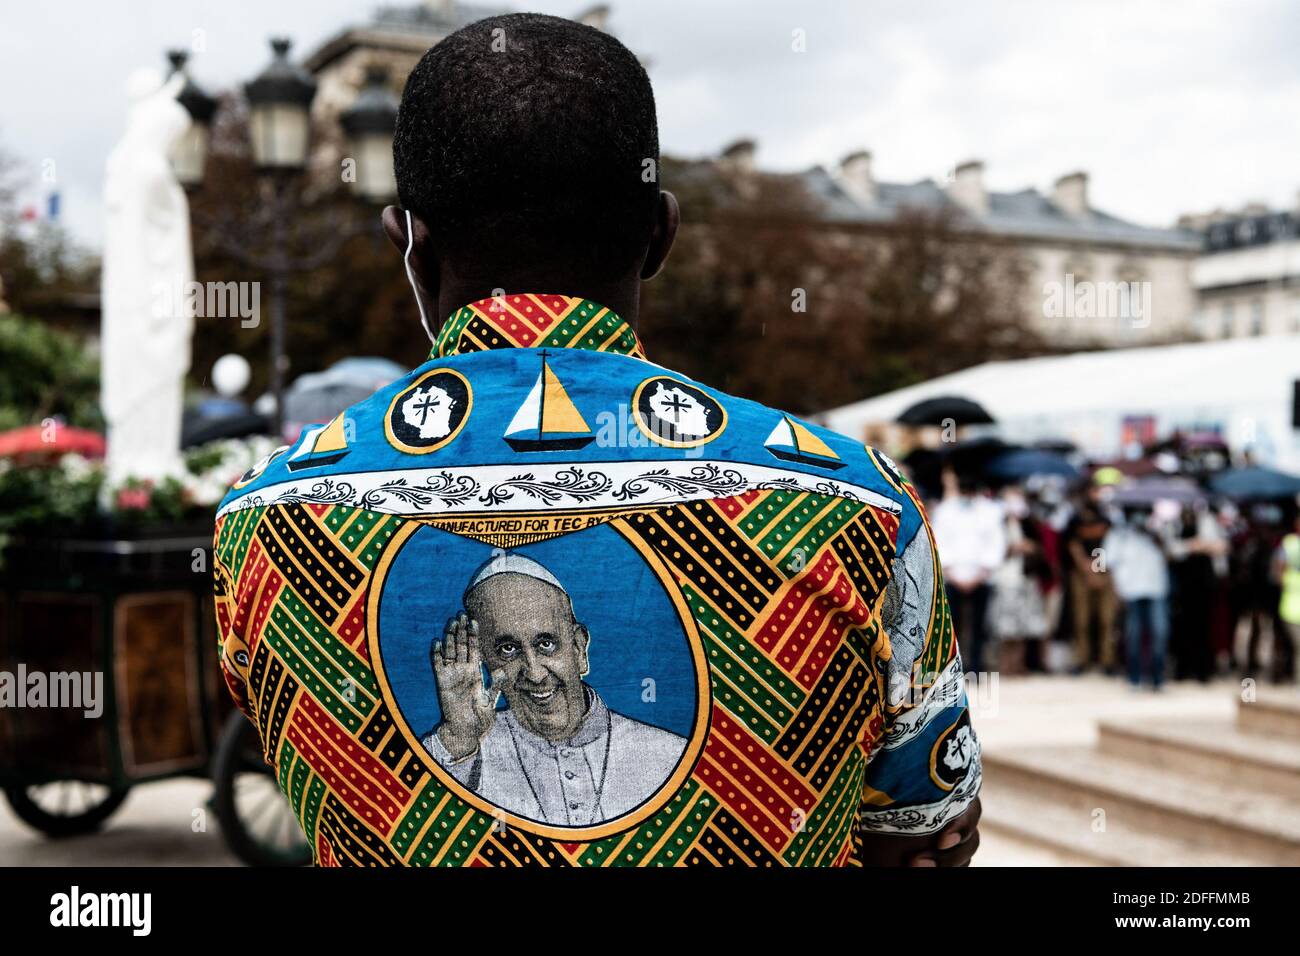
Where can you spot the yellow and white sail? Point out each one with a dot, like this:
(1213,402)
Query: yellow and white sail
(547,420)
(793,441)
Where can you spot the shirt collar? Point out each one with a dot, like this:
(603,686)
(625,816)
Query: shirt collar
(529,320)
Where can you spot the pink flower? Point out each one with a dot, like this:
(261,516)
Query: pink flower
(134,499)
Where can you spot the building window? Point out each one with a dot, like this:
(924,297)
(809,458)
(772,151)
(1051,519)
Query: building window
(1225,320)
(1077,273)
(1257,318)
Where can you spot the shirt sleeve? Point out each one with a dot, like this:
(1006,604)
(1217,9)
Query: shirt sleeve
(232,644)
(924,768)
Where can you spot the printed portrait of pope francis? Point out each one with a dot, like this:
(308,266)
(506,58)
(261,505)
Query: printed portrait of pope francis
(557,754)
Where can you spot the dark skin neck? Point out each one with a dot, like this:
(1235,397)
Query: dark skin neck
(444,288)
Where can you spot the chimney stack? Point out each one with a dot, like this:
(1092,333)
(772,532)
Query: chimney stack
(855,176)
(1070,194)
(739,157)
(967,188)
(597,16)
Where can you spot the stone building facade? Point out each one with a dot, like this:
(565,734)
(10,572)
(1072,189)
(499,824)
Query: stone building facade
(1095,279)
(1247,276)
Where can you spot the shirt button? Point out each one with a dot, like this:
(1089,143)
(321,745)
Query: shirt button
(574,806)
(566,753)
(568,775)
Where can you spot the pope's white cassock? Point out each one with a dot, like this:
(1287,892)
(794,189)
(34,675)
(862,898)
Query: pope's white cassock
(610,766)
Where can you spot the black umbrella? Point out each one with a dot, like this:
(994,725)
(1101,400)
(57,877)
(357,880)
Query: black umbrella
(972,457)
(945,410)
(1147,491)
(1255,483)
(1060,446)
(1022,463)
(925,467)
(203,430)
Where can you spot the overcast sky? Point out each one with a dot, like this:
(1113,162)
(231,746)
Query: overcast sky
(1171,105)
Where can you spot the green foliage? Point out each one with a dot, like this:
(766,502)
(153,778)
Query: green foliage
(60,496)
(143,502)
(204,458)
(45,373)
(68,496)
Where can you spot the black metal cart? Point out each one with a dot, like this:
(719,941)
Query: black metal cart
(136,609)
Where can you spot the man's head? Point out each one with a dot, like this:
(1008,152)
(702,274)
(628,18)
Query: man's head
(968,484)
(531,643)
(527,151)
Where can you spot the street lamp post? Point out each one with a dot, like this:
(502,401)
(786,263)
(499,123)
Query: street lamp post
(279,101)
(190,153)
(370,123)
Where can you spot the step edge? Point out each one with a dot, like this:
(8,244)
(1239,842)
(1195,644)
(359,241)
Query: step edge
(1210,747)
(1185,854)
(1157,801)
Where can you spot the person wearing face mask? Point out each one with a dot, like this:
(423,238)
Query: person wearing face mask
(969,532)
(1092,600)
(1018,614)
(1198,552)
(1138,566)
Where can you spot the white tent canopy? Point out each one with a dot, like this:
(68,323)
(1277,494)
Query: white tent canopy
(1242,388)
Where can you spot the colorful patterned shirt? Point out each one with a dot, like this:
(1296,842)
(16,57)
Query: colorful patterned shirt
(544,602)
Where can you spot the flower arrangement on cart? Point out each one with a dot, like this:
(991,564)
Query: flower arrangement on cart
(108,672)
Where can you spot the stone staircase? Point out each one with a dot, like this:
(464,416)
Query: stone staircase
(1156,792)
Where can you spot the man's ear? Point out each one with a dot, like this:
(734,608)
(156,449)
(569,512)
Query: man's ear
(581,639)
(667,217)
(424,261)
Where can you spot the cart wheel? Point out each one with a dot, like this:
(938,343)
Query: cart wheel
(65,807)
(256,820)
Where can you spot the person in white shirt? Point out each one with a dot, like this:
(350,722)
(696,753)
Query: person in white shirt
(971,536)
(1139,571)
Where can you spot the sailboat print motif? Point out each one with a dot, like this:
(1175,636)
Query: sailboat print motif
(792,441)
(547,420)
(321,445)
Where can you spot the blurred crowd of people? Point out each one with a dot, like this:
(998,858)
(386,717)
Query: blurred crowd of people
(1044,579)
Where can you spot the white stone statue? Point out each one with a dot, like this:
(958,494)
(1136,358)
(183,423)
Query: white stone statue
(147,258)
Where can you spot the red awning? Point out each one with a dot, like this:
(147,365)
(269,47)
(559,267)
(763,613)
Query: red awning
(51,440)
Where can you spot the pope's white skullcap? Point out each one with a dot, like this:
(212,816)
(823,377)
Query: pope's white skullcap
(508,562)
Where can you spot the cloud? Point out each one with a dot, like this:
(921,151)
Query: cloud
(1171,106)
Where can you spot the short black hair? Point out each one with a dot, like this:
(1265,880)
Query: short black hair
(530,140)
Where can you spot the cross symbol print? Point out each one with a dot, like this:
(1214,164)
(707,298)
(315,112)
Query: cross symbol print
(959,745)
(425,405)
(676,404)
(959,751)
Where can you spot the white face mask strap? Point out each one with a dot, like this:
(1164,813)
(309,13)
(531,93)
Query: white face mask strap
(410,276)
